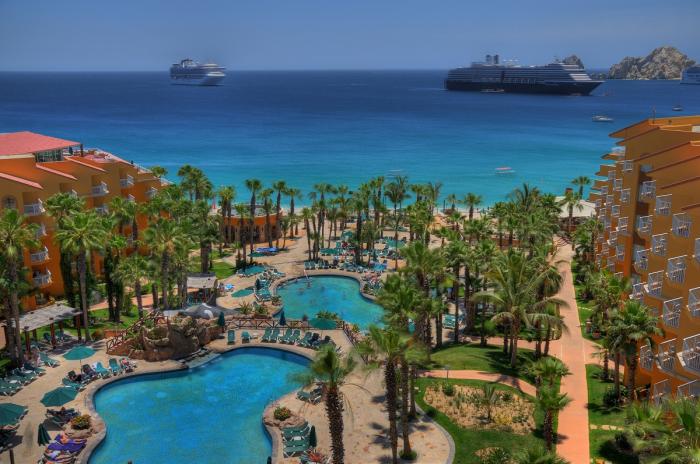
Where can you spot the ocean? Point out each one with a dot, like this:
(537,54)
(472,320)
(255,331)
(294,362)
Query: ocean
(338,127)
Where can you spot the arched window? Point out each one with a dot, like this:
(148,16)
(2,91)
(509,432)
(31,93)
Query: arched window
(9,202)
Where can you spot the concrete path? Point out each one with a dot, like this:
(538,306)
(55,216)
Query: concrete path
(514,382)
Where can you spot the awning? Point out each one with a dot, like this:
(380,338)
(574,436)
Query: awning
(46,316)
(201,281)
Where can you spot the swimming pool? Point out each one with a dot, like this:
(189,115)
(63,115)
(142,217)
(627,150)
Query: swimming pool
(330,293)
(207,414)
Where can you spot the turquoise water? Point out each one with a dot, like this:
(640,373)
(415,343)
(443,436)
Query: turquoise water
(243,292)
(252,270)
(209,414)
(336,294)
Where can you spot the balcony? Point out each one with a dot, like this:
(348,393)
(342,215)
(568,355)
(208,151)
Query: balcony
(34,209)
(696,249)
(641,260)
(690,356)
(625,196)
(681,225)
(672,312)
(663,205)
(604,190)
(611,266)
(666,355)
(130,198)
(598,203)
(602,212)
(40,256)
(102,209)
(648,190)
(655,283)
(605,250)
(622,225)
(126,182)
(99,190)
(611,174)
(675,269)
(660,390)
(627,166)
(689,390)
(150,193)
(41,231)
(659,242)
(620,252)
(617,184)
(646,357)
(607,223)
(643,225)
(73,193)
(638,291)
(694,301)
(609,200)
(42,280)
(612,238)
(615,211)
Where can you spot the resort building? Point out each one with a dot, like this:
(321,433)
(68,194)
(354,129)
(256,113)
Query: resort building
(236,228)
(33,167)
(648,201)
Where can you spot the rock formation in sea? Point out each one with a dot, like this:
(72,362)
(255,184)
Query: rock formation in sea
(662,63)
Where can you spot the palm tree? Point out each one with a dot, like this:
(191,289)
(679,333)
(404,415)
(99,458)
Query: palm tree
(330,370)
(243,214)
(547,371)
(82,234)
(293,194)
(113,249)
(158,171)
(226,195)
(638,325)
(307,215)
(571,200)
(254,186)
(456,255)
(537,455)
(16,235)
(61,206)
(470,201)
(581,182)
(452,200)
(280,187)
(488,399)
(550,401)
(131,271)
(164,237)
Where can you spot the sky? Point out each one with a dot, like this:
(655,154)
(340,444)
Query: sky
(129,35)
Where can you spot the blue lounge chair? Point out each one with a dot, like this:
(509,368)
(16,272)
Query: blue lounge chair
(304,342)
(101,371)
(47,360)
(114,366)
(266,337)
(74,385)
(245,337)
(231,334)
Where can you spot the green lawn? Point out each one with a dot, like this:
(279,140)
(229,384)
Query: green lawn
(469,440)
(602,441)
(223,270)
(102,323)
(487,359)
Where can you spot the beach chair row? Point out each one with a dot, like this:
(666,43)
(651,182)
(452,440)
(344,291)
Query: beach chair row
(17,378)
(88,372)
(296,440)
(63,449)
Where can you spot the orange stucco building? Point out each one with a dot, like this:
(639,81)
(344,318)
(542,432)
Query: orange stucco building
(649,204)
(34,167)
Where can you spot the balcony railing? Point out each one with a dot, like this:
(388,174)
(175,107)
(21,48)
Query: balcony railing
(690,356)
(103,209)
(646,357)
(611,174)
(612,238)
(627,166)
(659,243)
(34,209)
(611,266)
(641,259)
(41,231)
(39,256)
(675,269)
(605,250)
(648,190)
(609,200)
(99,190)
(643,225)
(666,355)
(150,193)
(672,312)
(604,190)
(617,184)
(638,291)
(655,283)
(660,390)
(696,248)
(42,280)
(615,211)
(126,182)
(689,390)
(694,301)
(130,198)
(622,225)
(663,205)
(620,252)
(625,196)
(598,203)
(681,225)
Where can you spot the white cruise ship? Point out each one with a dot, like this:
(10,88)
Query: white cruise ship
(189,72)
(691,75)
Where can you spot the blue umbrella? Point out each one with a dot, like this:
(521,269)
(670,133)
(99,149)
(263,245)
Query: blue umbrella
(59,396)
(322,323)
(10,413)
(43,437)
(79,353)
(283,320)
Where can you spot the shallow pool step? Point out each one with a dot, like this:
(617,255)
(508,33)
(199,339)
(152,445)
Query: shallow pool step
(201,360)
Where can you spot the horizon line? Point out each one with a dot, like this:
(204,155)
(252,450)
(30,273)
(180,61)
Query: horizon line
(74,71)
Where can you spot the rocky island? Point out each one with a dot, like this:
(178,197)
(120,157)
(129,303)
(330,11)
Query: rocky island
(662,63)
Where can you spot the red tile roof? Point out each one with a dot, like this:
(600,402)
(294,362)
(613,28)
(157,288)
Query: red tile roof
(19,143)
(20,180)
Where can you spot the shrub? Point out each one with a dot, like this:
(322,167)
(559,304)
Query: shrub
(410,456)
(506,396)
(430,411)
(496,456)
(98,334)
(610,398)
(448,389)
(323,314)
(80,422)
(282,414)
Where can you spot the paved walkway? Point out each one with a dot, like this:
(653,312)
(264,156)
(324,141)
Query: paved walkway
(487,376)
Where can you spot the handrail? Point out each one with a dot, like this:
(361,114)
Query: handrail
(133,329)
(265,323)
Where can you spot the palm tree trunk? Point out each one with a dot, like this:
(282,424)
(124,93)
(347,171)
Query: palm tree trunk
(548,425)
(514,345)
(404,408)
(606,366)
(82,272)
(164,279)
(334,412)
(13,273)
(139,298)
(547,339)
(154,295)
(632,363)
(412,391)
(438,330)
(617,376)
(390,381)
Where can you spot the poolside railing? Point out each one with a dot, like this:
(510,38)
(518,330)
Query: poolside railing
(265,323)
(122,336)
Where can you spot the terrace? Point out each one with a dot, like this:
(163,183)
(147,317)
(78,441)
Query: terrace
(666,355)
(659,243)
(620,252)
(617,184)
(646,357)
(102,209)
(615,211)
(625,196)
(663,205)
(34,209)
(690,356)
(638,291)
(612,238)
(151,192)
(41,231)
(660,390)
(40,256)
(689,390)
(694,301)
(643,225)
(641,259)
(99,190)
(647,191)
(126,182)
(675,269)
(672,312)
(655,283)
(622,225)
(42,279)
(681,225)
(627,166)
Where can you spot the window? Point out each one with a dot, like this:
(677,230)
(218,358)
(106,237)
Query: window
(9,202)
(50,155)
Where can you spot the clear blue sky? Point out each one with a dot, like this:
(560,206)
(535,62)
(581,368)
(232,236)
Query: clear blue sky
(328,34)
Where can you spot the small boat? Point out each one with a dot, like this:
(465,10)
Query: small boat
(505,170)
(493,91)
(677,108)
(601,118)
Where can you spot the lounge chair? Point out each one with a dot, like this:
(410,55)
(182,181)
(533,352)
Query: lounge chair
(89,371)
(245,337)
(36,370)
(295,448)
(313,396)
(231,334)
(127,365)
(275,335)
(76,386)
(266,337)
(114,366)
(295,337)
(314,340)
(47,338)
(28,376)
(304,342)
(78,378)
(287,335)
(47,360)
(101,371)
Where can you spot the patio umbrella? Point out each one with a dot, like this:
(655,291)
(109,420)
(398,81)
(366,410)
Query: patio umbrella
(79,353)
(313,441)
(43,437)
(59,396)
(221,321)
(322,323)
(283,320)
(10,413)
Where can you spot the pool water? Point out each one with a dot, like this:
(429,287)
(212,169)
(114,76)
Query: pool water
(243,292)
(207,414)
(252,270)
(329,293)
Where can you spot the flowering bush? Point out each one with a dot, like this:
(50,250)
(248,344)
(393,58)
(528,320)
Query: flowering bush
(282,414)
(80,422)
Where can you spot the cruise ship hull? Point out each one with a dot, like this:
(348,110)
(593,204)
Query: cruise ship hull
(206,80)
(554,88)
